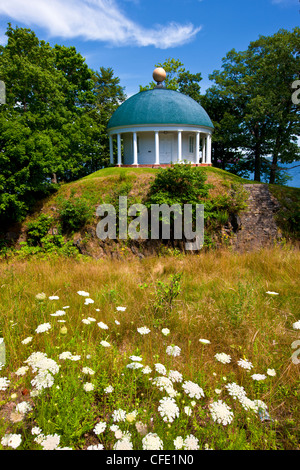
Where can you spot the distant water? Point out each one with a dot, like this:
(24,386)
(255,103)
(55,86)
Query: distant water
(295,173)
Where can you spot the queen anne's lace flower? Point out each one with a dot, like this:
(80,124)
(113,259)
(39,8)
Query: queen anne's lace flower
(143,330)
(221,413)
(296,325)
(245,364)
(4,383)
(168,409)
(88,387)
(95,447)
(162,383)
(42,380)
(123,444)
(173,350)
(192,389)
(191,443)
(236,391)
(175,376)
(258,377)
(160,368)
(11,440)
(152,442)
(43,327)
(119,415)
(100,427)
(50,442)
(222,357)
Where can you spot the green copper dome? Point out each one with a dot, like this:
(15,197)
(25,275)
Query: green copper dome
(159,106)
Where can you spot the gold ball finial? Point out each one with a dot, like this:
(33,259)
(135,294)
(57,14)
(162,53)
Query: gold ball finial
(159,74)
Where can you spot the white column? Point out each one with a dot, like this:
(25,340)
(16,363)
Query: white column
(197,146)
(135,150)
(203,149)
(156,148)
(111,150)
(208,160)
(179,153)
(119,149)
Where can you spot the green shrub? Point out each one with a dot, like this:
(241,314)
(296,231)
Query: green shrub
(74,213)
(37,229)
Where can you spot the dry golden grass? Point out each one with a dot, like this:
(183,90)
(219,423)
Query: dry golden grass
(223,299)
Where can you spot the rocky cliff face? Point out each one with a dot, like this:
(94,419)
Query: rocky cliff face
(256,227)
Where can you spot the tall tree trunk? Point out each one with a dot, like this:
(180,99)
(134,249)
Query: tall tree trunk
(257,161)
(277,145)
(273,167)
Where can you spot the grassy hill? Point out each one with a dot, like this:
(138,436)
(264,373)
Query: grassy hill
(68,216)
(196,352)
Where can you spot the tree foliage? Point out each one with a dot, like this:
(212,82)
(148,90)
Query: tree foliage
(179,79)
(251,104)
(54,119)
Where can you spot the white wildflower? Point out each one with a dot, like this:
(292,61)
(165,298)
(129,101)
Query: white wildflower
(152,442)
(222,357)
(204,341)
(168,409)
(53,297)
(160,368)
(135,365)
(35,431)
(105,344)
(109,389)
(27,340)
(178,443)
(135,358)
(4,383)
(162,383)
(121,309)
(190,443)
(88,387)
(42,380)
(23,407)
(22,370)
(95,447)
(40,296)
(11,440)
(221,413)
(100,427)
(173,350)
(271,372)
(192,389)
(50,442)
(83,293)
(123,444)
(236,391)
(245,364)
(296,325)
(165,331)
(143,330)
(175,376)
(119,415)
(102,325)
(58,313)
(258,377)
(43,327)
(88,370)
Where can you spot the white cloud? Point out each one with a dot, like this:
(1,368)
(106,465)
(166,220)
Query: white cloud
(96,20)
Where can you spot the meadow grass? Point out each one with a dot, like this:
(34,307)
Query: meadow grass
(114,382)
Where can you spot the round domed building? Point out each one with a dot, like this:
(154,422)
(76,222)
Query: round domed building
(159,127)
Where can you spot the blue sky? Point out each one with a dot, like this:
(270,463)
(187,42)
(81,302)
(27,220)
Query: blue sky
(131,36)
